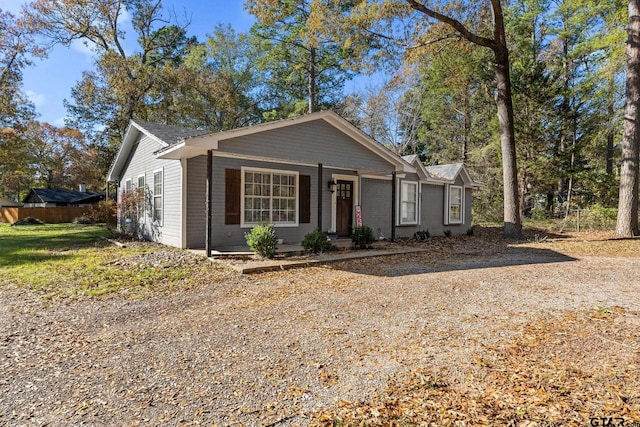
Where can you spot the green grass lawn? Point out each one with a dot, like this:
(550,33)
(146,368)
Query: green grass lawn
(69,260)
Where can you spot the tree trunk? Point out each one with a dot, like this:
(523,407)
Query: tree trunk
(610,134)
(522,202)
(467,128)
(311,85)
(512,220)
(627,224)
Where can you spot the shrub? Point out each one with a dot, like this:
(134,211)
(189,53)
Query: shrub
(421,235)
(540,213)
(599,217)
(131,211)
(362,237)
(28,221)
(317,242)
(82,220)
(262,240)
(103,212)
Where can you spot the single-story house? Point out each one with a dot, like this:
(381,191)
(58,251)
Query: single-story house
(208,189)
(54,197)
(8,203)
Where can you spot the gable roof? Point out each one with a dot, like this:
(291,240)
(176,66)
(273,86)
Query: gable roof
(5,203)
(446,172)
(59,195)
(180,143)
(450,172)
(198,145)
(442,174)
(167,134)
(164,135)
(414,160)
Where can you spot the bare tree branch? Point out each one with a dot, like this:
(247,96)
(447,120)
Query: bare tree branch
(454,23)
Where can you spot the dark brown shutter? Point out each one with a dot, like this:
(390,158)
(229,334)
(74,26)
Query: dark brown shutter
(232,182)
(304,193)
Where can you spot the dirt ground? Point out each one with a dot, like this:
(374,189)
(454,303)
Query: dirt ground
(471,332)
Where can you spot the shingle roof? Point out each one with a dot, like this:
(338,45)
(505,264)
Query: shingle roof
(447,172)
(410,158)
(50,195)
(170,134)
(4,202)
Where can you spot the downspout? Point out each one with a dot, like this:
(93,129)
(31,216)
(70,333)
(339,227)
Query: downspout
(208,203)
(320,187)
(393,206)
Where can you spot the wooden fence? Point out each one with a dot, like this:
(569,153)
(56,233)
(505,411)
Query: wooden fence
(50,215)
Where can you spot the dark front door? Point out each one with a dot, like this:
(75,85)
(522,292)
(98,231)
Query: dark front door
(344,208)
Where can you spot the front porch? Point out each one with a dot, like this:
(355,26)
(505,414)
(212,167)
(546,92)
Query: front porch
(243,260)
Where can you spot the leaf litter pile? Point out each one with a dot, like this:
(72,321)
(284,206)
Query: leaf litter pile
(562,371)
(473,331)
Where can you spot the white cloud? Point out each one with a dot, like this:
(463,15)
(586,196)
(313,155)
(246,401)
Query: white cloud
(38,99)
(83,47)
(125,15)
(59,122)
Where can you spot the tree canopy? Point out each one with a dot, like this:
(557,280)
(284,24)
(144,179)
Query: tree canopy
(437,72)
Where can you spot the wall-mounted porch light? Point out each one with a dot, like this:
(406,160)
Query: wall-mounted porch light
(332,185)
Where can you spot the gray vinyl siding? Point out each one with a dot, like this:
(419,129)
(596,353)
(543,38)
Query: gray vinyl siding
(196,202)
(468,216)
(376,205)
(312,143)
(432,214)
(143,162)
(233,234)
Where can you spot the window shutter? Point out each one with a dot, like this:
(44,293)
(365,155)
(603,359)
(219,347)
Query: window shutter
(232,183)
(304,195)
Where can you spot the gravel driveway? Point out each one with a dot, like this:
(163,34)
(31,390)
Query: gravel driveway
(271,348)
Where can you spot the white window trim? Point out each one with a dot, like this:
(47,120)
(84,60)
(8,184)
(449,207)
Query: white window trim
(138,180)
(243,171)
(399,204)
(128,183)
(153,207)
(448,205)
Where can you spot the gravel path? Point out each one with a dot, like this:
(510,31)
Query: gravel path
(271,348)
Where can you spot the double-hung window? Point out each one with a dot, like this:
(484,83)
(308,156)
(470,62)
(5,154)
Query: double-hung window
(141,181)
(158,190)
(270,196)
(455,205)
(127,185)
(409,202)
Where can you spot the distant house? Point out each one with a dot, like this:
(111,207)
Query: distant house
(48,197)
(8,203)
(308,172)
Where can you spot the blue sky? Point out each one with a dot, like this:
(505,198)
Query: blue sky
(49,81)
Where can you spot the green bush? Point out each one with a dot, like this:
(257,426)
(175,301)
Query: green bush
(421,235)
(598,217)
(262,240)
(317,242)
(82,220)
(540,213)
(362,237)
(28,221)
